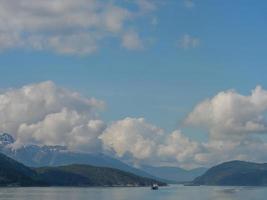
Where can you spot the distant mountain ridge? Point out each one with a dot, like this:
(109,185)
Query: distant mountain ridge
(13,173)
(40,156)
(235,173)
(174,174)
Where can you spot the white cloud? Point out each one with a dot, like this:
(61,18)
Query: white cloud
(218,151)
(47,114)
(132,135)
(147,5)
(81,43)
(232,114)
(187,41)
(178,149)
(66,26)
(147,143)
(44,113)
(132,41)
(234,123)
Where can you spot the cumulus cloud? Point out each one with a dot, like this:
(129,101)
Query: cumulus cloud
(179,149)
(147,143)
(187,41)
(234,123)
(218,151)
(232,114)
(132,135)
(66,26)
(44,113)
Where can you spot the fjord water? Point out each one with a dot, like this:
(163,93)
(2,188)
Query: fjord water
(173,192)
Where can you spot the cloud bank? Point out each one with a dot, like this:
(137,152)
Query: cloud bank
(234,123)
(230,114)
(46,114)
(147,143)
(70,27)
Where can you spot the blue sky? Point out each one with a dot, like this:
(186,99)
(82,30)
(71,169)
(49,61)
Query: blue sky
(163,80)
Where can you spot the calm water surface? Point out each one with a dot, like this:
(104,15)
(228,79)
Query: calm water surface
(174,192)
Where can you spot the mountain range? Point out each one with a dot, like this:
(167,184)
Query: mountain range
(40,156)
(233,173)
(173,174)
(57,166)
(13,173)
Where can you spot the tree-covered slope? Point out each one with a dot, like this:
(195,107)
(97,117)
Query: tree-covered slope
(237,173)
(85,175)
(13,173)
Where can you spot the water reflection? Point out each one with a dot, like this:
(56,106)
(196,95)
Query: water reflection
(239,193)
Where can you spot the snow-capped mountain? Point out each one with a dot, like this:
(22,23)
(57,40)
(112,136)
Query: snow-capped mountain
(6,139)
(39,156)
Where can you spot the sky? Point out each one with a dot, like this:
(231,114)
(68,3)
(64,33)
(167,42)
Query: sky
(182,81)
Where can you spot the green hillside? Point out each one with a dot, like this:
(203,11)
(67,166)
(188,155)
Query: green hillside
(13,173)
(84,175)
(235,173)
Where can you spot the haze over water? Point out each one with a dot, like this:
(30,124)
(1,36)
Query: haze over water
(166,193)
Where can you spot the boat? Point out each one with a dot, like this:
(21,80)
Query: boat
(154,186)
